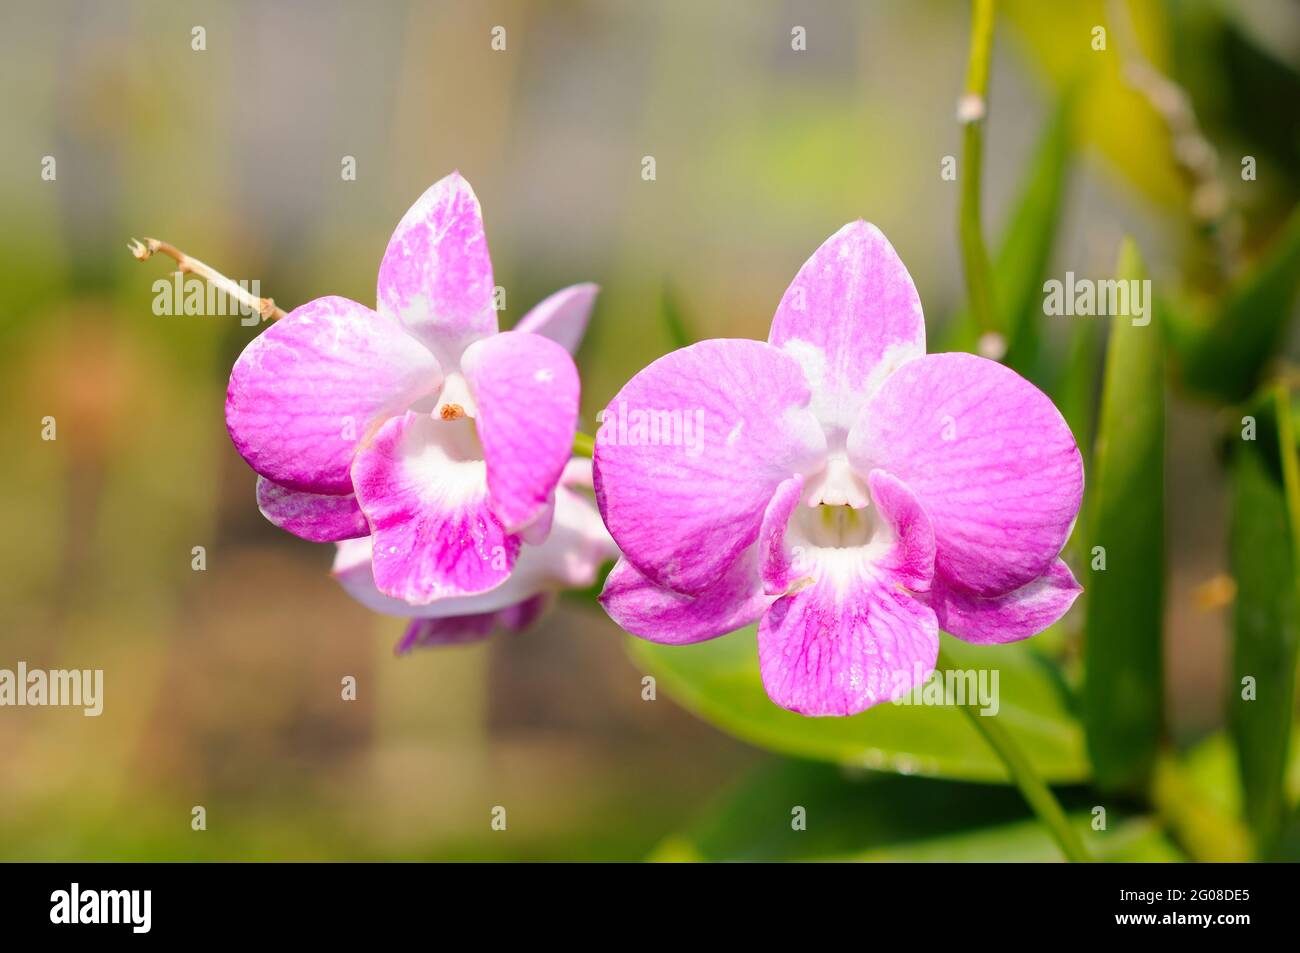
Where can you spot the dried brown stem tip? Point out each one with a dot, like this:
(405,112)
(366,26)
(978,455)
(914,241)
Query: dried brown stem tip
(145,250)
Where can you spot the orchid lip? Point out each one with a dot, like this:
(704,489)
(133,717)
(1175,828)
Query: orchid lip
(836,541)
(455,400)
(837,484)
(450,451)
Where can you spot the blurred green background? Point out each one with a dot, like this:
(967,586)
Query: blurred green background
(222,686)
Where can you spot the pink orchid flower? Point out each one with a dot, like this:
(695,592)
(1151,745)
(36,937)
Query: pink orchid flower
(570,557)
(846,490)
(433,442)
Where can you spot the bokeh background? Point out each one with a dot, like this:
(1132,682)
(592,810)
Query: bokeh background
(222,686)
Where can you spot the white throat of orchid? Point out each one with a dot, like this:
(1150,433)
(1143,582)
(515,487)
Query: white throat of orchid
(455,401)
(444,449)
(836,484)
(836,541)
(836,530)
(444,458)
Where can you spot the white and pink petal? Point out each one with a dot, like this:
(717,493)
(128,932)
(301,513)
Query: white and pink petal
(307,390)
(844,644)
(563,316)
(848,633)
(317,517)
(905,532)
(850,317)
(458,630)
(656,614)
(780,563)
(423,489)
(690,452)
(436,274)
(570,557)
(990,458)
(525,387)
(1016,615)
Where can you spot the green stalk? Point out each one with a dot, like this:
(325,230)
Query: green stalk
(972,112)
(583,445)
(1034,789)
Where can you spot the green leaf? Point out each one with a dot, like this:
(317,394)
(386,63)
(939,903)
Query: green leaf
(1123,690)
(1114,119)
(1226,358)
(1026,248)
(1212,796)
(1135,840)
(675,323)
(1264,546)
(1194,797)
(847,816)
(719,681)
(1076,392)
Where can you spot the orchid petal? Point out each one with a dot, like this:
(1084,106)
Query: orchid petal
(852,634)
(425,495)
(779,562)
(305,392)
(526,389)
(844,644)
(563,316)
(451,630)
(436,274)
(909,533)
(691,451)
(990,458)
(661,615)
(317,517)
(850,317)
(1016,615)
(456,630)
(571,557)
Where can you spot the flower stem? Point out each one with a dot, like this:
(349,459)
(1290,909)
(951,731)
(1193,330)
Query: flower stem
(145,250)
(1034,790)
(583,445)
(971,112)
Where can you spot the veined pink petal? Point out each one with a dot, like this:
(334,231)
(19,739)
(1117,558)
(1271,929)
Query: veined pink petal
(845,643)
(353,571)
(525,387)
(909,534)
(1008,618)
(849,634)
(661,615)
(780,564)
(454,630)
(850,316)
(436,274)
(570,557)
(563,316)
(521,615)
(317,517)
(306,391)
(423,489)
(989,457)
(536,531)
(690,452)
(451,630)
